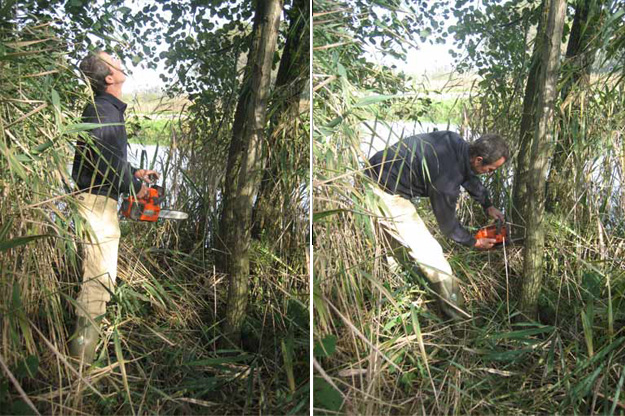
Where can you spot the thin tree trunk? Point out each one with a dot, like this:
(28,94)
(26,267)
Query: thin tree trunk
(580,53)
(273,203)
(541,150)
(294,68)
(528,122)
(245,163)
(580,56)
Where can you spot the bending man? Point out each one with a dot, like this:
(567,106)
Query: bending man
(435,165)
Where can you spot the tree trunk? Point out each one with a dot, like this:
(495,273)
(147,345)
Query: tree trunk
(245,163)
(580,56)
(541,150)
(580,53)
(528,122)
(294,68)
(274,198)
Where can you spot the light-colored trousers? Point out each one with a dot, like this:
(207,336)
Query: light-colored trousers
(399,218)
(99,253)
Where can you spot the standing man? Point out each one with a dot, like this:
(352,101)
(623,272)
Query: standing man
(101,172)
(435,165)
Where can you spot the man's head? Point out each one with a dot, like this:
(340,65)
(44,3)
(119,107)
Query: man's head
(103,72)
(488,153)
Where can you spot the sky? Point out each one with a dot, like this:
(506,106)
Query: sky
(141,79)
(427,59)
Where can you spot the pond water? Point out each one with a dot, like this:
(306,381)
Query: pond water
(154,157)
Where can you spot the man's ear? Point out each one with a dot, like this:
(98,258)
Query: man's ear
(109,79)
(479,160)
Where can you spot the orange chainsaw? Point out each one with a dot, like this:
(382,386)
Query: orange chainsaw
(148,208)
(500,232)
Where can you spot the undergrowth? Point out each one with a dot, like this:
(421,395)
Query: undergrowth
(381,345)
(160,346)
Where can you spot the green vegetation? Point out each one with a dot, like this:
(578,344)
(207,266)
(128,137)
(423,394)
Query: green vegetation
(430,109)
(162,349)
(381,346)
(145,130)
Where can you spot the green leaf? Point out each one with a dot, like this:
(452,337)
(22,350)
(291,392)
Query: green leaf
(587,324)
(322,214)
(27,367)
(42,147)
(298,313)
(374,99)
(56,100)
(5,228)
(218,361)
(325,396)
(342,70)
(32,155)
(4,390)
(19,241)
(522,333)
(122,364)
(511,355)
(20,407)
(617,392)
(80,127)
(334,122)
(326,347)
(592,285)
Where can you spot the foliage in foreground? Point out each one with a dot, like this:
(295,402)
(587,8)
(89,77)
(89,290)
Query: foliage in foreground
(380,345)
(160,351)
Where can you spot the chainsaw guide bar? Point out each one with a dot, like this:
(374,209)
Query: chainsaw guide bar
(148,208)
(173,215)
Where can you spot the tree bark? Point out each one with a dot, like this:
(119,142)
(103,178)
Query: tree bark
(293,72)
(245,164)
(541,150)
(528,122)
(580,56)
(580,53)
(274,199)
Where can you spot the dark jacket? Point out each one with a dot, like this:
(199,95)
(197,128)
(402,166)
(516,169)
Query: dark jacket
(102,167)
(433,165)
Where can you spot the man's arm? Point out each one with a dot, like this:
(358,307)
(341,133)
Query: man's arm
(444,207)
(479,193)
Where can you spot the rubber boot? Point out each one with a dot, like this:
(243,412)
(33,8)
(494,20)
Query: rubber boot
(85,340)
(451,300)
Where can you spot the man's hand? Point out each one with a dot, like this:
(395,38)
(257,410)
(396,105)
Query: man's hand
(484,243)
(495,213)
(149,176)
(143,192)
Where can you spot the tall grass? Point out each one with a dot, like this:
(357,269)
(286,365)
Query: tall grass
(159,349)
(380,345)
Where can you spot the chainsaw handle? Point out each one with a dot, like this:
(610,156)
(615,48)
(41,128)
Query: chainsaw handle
(484,243)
